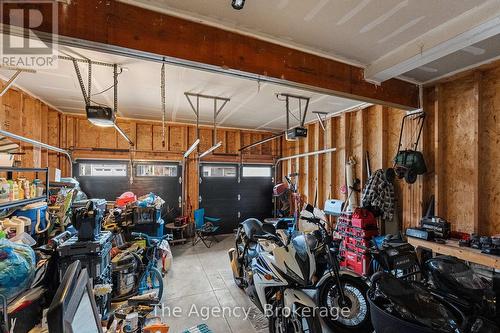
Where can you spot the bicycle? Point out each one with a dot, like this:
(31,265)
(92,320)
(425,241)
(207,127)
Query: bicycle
(150,278)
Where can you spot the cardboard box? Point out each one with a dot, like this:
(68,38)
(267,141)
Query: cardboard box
(6,160)
(54,175)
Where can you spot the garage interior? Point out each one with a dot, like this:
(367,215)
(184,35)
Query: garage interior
(201,166)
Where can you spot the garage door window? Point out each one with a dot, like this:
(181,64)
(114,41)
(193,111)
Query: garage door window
(219,171)
(103,170)
(156,170)
(256,171)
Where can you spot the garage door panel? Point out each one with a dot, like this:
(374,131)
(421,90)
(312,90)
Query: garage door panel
(109,187)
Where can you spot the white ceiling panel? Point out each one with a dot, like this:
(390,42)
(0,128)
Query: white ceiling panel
(357,30)
(253,105)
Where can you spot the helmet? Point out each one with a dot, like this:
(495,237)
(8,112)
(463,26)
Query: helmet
(280,189)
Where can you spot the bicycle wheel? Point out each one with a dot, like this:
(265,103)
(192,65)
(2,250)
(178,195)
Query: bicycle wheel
(152,281)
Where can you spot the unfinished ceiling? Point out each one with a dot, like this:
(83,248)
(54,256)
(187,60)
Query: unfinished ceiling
(387,37)
(253,105)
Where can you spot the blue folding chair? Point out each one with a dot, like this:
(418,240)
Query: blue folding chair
(205,228)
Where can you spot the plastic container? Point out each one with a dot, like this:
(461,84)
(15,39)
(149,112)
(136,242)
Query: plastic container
(146,215)
(36,213)
(359,263)
(24,238)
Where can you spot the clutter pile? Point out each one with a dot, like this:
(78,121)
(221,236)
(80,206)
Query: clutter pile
(122,255)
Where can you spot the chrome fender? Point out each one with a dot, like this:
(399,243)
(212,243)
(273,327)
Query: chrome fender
(295,296)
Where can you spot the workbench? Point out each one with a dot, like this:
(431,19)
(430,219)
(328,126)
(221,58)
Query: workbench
(451,248)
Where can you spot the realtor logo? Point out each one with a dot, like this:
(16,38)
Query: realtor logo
(23,45)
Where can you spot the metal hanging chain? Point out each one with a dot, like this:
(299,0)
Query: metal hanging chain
(80,80)
(163,107)
(89,87)
(115,80)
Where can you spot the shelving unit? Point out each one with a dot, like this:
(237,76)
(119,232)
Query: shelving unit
(24,202)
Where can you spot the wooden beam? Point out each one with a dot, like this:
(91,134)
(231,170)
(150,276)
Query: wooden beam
(478,81)
(116,24)
(439,151)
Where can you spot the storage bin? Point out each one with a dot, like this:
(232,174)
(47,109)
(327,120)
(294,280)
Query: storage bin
(144,215)
(36,213)
(150,229)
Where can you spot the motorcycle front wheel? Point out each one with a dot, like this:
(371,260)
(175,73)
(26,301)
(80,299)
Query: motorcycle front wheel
(357,318)
(300,324)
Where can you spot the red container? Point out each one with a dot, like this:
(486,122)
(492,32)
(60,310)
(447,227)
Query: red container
(359,263)
(356,249)
(363,218)
(363,233)
(359,242)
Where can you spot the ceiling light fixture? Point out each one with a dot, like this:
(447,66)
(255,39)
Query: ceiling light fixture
(211,149)
(238,4)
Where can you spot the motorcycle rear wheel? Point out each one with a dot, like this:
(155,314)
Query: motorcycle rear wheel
(355,290)
(312,322)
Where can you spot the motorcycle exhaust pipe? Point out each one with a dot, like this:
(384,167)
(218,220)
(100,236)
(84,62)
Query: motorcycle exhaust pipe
(233,259)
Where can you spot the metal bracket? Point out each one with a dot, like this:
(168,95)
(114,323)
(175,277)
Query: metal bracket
(321,118)
(13,78)
(302,111)
(196,110)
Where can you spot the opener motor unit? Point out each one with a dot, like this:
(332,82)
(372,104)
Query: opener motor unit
(101,116)
(296,133)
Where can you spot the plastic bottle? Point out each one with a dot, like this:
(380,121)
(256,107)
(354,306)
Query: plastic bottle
(4,190)
(15,189)
(11,190)
(20,186)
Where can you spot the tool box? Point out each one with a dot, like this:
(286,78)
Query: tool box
(357,262)
(93,255)
(364,219)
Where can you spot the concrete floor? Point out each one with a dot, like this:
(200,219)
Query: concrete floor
(200,279)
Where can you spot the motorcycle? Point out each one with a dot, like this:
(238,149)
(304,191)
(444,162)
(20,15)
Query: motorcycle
(326,276)
(279,274)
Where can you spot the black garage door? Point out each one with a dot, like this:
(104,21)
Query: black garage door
(108,179)
(234,194)
(219,194)
(256,187)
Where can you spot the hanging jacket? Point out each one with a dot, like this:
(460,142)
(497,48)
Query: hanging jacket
(379,193)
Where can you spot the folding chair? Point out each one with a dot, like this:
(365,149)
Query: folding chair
(205,228)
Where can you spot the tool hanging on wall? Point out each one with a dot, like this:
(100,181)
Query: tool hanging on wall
(163,105)
(294,133)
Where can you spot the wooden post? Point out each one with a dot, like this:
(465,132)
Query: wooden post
(478,78)
(439,151)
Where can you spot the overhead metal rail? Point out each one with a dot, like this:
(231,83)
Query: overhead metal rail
(41,145)
(312,153)
(260,142)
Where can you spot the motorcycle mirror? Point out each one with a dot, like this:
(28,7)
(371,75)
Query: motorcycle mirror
(269,228)
(309,208)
